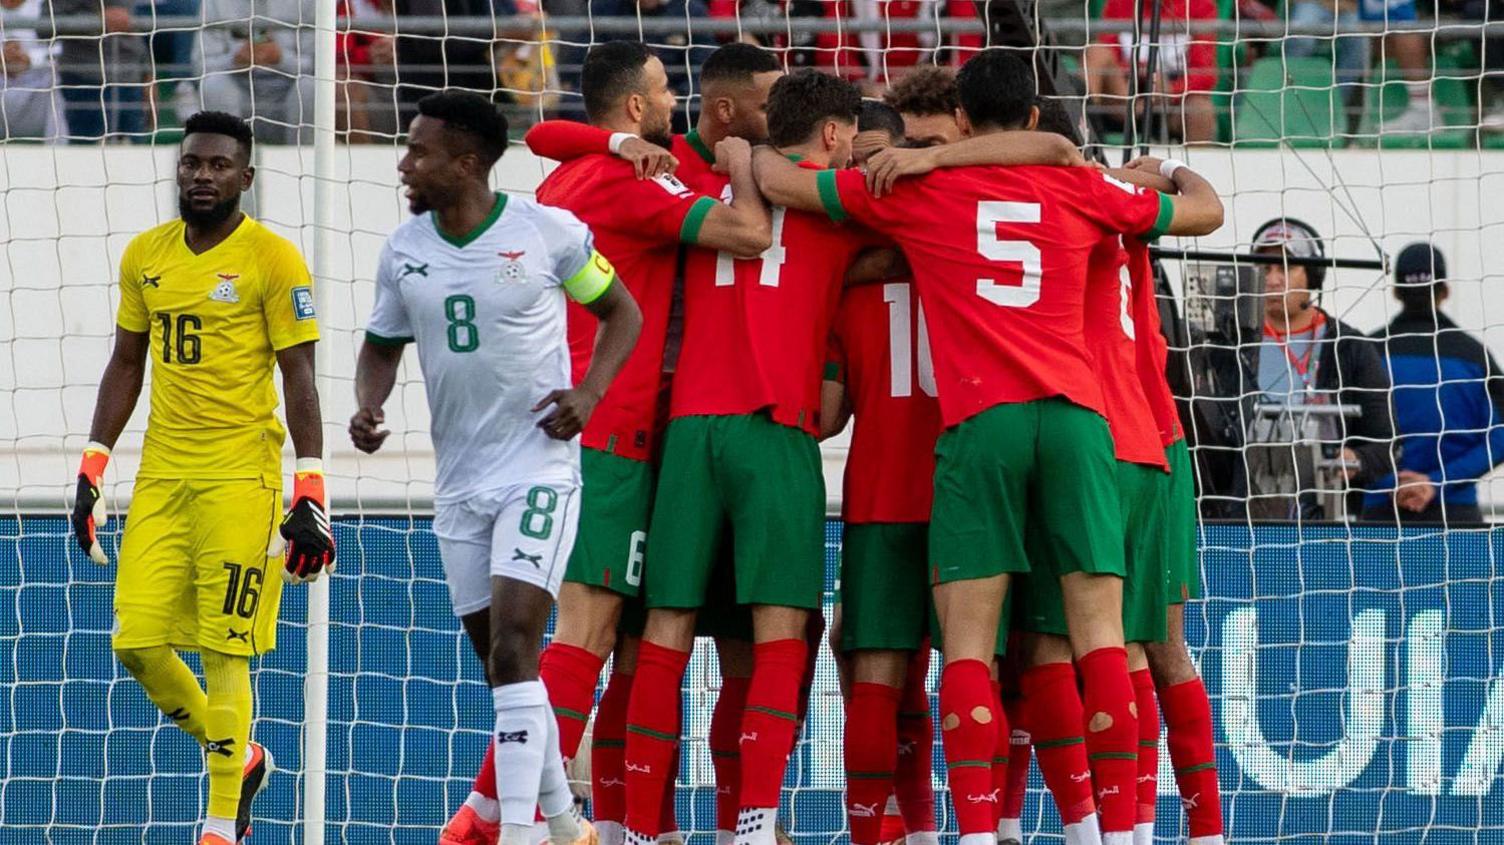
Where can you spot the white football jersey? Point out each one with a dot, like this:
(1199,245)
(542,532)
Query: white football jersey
(487,315)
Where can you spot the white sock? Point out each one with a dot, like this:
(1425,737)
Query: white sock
(522,717)
(725,837)
(1010,829)
(1420,91)
(635,838)
(922,837)
(486,807)
(516,834)
(1118,837)
(755,826)
(611,833)
(977,839)
(1214,839)
(1143,833)
(554,797)
(563,828)
(220,827)
(1084,832)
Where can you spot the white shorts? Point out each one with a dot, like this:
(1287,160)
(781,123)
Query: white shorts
(525,532)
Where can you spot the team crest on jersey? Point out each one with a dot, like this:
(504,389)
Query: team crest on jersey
(225,290)
(512,270)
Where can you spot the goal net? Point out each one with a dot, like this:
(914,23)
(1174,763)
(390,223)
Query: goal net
(1354,667)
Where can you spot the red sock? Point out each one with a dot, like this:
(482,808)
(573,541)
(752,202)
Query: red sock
(912,784)
(871,744)
(1148,745)
(570,673)
(668,821)
(1000,755)
(968,726)
(652,733)
(725,749)
(1111,735)
(1188,716)
(892,828)
(608,789)
(1019,752)
(1052,710)
(771,719)
(485,781)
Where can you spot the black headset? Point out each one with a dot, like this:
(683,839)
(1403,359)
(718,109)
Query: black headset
(1315,273)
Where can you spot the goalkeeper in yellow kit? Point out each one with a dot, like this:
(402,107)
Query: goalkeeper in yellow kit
(213,299)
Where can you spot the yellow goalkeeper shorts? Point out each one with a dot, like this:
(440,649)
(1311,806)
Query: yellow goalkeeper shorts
(193,569)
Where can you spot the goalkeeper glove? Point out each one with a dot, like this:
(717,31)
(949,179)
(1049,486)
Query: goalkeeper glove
(88,507)
(309,544)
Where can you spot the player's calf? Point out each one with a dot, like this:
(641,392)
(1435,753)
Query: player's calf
(771,718)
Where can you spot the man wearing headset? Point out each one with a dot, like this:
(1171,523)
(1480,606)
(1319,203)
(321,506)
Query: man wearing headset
(1308,356)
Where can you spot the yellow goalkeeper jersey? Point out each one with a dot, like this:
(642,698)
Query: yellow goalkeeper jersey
(216,321)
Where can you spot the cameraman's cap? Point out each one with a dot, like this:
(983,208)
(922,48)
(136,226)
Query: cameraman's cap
(1293,236)
(1419,264)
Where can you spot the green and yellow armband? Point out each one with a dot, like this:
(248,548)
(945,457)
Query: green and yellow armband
(591,281)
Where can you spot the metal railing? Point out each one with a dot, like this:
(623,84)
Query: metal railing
(1444,28)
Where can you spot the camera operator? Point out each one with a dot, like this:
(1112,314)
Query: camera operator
(1308,357)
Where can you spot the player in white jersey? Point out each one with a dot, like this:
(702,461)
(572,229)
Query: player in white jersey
(478,281)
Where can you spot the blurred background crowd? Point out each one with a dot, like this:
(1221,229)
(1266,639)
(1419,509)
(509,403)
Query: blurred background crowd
(1304,72)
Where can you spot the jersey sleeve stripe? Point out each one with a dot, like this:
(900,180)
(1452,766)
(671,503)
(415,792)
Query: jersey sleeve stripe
(830,196)
(381,340)
(689,230)
(592,281)
(1162,221)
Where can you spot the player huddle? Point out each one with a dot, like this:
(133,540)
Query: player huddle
(628,378)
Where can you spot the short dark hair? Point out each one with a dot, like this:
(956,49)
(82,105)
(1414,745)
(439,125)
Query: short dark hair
(997,88)
(878,116)
(801,101)
(737,62)
(472,115)
(220,123)
(611,71)
(1054,117)
(923,91)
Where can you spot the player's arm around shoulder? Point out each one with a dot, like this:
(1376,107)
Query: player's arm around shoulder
(785,183)
(1015,148)
(1196,208)
(743,228)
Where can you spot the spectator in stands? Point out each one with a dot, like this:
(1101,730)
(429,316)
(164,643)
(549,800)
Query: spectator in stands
(367,58)
(432,63)
(927,99)
(103,72)
(1448,402)
(1187,65)
(875,58)
(29,105)
(682,51)
(1491,92)
(261,67)
(1351,55)
(171,49)
(1309,357)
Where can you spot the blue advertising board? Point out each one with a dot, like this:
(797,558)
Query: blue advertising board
(1355,677)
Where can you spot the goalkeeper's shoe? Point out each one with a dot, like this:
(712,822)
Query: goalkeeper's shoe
(305,536)
(258,770)
(466,827)
(89,512)
(588,834)
(213,839)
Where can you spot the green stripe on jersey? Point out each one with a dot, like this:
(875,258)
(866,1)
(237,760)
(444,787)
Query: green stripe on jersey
(1162,221)
(830,195)
(689,230)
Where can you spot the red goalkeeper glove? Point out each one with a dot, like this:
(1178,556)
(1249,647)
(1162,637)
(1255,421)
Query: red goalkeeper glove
(309,543)
(88,507)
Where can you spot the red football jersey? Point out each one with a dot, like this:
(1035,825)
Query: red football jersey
(755,330)
(1152,352)
(879,349)
(695,163)
(1110,333)
(999,255)
(638,225)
